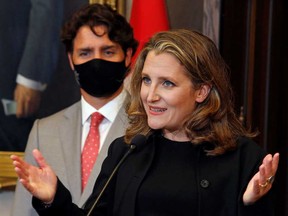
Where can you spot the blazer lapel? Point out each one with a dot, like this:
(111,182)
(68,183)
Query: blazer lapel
(130,177)
(70,133)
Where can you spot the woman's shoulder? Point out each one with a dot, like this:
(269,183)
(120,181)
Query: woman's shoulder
(118,145)
(249,150)
(248,144)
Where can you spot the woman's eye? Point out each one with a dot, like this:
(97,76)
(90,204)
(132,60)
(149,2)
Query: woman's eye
(168,83)
(146,80)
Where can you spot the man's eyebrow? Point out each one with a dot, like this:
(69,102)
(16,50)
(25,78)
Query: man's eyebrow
(108,47)
(103,48)
(85,49)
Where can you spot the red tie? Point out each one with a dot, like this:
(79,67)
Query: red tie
(91,148)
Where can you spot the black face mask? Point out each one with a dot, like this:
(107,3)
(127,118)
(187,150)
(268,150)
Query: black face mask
(100,78)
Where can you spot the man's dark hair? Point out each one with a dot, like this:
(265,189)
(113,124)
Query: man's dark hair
(119,30)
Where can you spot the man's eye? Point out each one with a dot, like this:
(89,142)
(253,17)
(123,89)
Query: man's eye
(168,83)
(84,54)
(109,53)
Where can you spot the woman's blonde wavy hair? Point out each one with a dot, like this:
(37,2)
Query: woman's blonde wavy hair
(213,120)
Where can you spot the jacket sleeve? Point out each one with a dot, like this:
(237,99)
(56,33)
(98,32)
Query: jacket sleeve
(22,199)
(252,158)
(62,204)
(263,207)
(40,54)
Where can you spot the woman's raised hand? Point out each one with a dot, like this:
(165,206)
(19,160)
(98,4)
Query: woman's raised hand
(40,181)
(262,181)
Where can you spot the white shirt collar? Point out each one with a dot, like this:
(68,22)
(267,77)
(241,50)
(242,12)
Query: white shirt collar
(109,110)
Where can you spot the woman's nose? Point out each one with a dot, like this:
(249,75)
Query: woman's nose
(153,95)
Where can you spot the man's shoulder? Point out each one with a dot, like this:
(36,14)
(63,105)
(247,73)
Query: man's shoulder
(72,111)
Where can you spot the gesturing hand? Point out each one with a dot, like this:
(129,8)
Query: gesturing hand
(40,181)
(262,181)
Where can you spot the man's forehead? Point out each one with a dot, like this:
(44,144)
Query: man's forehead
(99,39)
(100,30)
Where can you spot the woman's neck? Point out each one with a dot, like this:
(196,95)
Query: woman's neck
(178,135)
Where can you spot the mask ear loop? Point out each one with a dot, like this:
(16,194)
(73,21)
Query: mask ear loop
(76,75)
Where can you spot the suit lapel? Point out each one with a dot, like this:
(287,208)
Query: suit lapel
(130,177)
(70,133)
(117,130)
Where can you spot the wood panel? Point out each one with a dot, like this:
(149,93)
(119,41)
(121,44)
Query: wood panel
(253,41)
(231,43)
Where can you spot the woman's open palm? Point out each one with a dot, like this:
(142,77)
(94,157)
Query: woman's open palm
(40,181)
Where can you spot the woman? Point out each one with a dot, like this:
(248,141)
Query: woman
(197,159)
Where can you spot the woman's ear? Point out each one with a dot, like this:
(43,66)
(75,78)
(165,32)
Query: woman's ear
(202,93)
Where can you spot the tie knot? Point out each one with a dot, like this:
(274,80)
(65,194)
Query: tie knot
(96,118)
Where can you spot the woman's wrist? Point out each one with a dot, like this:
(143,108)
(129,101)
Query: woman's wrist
(47,204)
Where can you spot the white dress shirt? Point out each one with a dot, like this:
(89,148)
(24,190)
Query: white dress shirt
(109,111)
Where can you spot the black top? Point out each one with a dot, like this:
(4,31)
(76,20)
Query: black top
(169,187)
(213,186)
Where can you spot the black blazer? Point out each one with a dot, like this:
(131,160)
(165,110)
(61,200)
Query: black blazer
(222,181)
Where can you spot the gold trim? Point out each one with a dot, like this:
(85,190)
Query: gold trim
(118,5)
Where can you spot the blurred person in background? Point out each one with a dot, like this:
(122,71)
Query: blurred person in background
(28,56)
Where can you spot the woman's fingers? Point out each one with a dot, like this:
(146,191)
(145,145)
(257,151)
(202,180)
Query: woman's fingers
(275,162)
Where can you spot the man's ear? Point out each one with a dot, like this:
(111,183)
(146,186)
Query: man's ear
(128,57)
(70,60)
(202,93)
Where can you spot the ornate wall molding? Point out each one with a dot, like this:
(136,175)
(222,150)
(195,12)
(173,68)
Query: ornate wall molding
(116,4)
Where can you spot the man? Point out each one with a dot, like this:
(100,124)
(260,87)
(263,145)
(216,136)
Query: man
(28,57)
(100,44)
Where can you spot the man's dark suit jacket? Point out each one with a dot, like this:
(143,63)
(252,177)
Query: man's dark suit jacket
(29,43)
